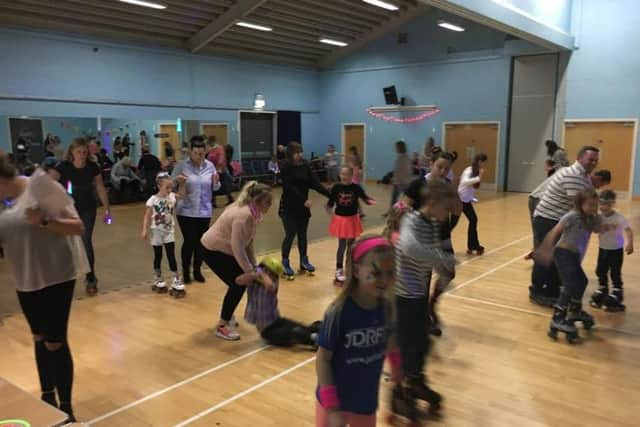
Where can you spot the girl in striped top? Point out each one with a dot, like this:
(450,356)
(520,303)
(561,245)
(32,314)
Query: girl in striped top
(420,251)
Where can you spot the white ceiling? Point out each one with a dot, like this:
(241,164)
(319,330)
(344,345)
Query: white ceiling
(208,26)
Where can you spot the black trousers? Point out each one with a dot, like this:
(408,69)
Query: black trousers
(610,261)
(286,333)
(88,218)
(472,232)
(295,226)
(343,245)
(413,326)
(544,279)
(47,311)
(227,269)
(171,256)
(192,230)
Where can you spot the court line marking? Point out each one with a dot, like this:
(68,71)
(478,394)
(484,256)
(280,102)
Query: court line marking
(538,313)
(251,353)
(176,385)
(485,274)
(244,393)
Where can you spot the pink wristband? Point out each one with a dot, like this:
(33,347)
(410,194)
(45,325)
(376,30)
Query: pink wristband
(328,396)
(395,359)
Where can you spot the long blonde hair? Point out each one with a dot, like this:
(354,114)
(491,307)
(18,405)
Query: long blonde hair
(350,287)
(252,192)
(78,143)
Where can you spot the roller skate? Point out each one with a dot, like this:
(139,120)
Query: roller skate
(306,267)
(91,283)
(559,323)
(577,314)
(315,326)
(288,271)
(598,298)
(159,285)
(339,278)
(613,302)
(403,405)
(421,391)
(177,289)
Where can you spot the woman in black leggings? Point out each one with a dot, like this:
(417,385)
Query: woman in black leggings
(469,183)
(81,176)
(228,248)
(297,178)
(45,262)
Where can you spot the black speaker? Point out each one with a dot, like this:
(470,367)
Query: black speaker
(390,95)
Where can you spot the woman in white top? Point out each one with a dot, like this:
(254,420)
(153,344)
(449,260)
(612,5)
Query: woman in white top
(469,182)
(37,220)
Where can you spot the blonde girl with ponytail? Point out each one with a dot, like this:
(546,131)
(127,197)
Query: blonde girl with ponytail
(228,248)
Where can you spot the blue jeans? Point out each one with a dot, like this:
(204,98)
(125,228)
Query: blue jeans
(88,218)
(573,278)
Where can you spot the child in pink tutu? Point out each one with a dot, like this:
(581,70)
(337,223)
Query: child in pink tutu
(345,222)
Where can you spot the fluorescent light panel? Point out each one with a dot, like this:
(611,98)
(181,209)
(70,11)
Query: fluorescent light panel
(253,26)
(145,4)
(333,42)
(449,26)
(382,4)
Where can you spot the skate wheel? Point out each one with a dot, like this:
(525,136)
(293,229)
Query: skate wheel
(572,338)
(588,325)
(553,333)
(436,332)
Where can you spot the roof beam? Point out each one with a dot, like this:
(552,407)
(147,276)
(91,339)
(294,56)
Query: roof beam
(389,26)
(219,25)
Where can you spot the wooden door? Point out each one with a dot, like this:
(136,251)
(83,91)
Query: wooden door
(172,136)
(469,139)
(615,141)
(354,137)
(219,131)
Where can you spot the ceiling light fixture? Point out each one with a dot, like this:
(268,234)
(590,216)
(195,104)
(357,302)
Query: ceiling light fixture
(449,26)
(145,4)
(382,4)
(253,26)
(333,42)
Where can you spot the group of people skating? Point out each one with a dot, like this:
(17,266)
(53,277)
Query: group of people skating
(362,326)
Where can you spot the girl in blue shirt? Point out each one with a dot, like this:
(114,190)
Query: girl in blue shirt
(355,337)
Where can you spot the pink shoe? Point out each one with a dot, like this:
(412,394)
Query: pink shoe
(227,333)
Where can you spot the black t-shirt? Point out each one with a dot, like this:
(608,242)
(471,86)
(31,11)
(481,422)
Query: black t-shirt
(82,183)
(296,182)
(345,198)
(149,163)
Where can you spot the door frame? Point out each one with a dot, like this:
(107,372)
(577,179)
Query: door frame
(633,147)
(478,122)
(225,124)
(274,121)
(364,145)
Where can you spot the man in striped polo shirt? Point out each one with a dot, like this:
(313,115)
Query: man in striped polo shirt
(555,202)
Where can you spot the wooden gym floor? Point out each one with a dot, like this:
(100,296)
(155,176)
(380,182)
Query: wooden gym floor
(143,359)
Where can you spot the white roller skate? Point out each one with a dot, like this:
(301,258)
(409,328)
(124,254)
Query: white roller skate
(159,286)
(177,288)
(339,277)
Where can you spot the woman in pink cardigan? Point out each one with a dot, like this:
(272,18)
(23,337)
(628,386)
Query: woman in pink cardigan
(228,248)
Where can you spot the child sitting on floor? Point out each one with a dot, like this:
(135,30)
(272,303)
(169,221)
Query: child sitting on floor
(262,308)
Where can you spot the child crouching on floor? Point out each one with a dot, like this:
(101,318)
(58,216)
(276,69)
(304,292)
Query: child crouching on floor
(262,308)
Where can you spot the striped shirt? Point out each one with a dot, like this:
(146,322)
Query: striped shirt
(419,250)
(561,190)
(262,305)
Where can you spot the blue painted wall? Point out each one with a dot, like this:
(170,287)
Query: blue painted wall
(602,76)
(468,84)
(163,84)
